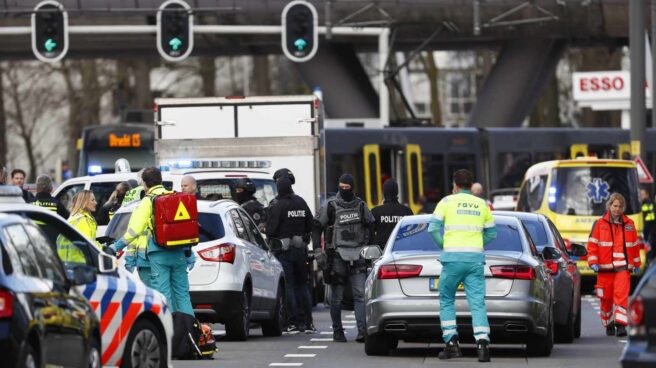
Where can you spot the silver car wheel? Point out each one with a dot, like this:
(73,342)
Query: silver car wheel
(94,358)
(30,362)
(145,350)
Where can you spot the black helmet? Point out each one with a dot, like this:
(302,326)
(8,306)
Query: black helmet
(284,173)
(247,185)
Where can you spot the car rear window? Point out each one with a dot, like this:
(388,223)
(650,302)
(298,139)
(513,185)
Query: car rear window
(415,238)
(211,226)
(537,232)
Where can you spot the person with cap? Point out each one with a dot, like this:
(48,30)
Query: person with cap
(290,221)
(387,215)
(346,221)
(245,195)
(45,199)
(188,185)
(468,226)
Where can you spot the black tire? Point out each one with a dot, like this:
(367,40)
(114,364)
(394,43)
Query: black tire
(93,356)
(378,344)
(275,325)
(577,322)
(29,358)
(239,326)
(565,333)
(541,345)
(145,343)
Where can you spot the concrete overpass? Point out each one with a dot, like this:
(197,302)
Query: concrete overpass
(530,34)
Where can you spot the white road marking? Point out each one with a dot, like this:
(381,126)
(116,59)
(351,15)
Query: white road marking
(218,332)
(350,316)
(623,341)
(326,333)
(300,355)
(321,339)
(313,347)
(285,364)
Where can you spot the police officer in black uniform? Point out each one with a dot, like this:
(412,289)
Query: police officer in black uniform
(290,221)
(245,193)
(346,221)
(44,199)
(388,214)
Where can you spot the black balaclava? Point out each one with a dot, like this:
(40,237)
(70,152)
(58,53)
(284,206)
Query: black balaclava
(284,173)
(391,190)
(347,195)
(284,186)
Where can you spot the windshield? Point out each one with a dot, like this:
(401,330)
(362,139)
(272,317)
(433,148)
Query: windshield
(215,189)
(415,238)
(583,191)
(211,226)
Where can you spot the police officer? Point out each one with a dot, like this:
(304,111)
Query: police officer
(284,173)
(18,179)
(346,221)
(245,193)
(387,215)
(648,218)
(44,199)
(290,221)
(468,226)
(113,203)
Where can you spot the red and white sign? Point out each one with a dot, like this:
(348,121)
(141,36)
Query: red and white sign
(607,90)
(643,174)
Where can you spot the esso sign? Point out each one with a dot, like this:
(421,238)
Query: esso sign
(610,86)
(593,84)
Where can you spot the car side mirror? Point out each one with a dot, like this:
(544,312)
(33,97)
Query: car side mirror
(107,263)
(578,250)
(82,274)
(371,252)
(550,253)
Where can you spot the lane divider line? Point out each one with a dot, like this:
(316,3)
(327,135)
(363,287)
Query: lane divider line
(315,339)
(285,364)
(300,355)
(313,347)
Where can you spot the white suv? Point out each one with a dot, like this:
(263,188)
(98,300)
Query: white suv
(236,279)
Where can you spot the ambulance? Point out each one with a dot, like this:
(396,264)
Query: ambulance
(573,195)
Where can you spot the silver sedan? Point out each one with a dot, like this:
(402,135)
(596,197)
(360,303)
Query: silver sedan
(402,301)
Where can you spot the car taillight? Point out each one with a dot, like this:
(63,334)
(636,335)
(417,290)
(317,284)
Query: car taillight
(636,311)
(219,253)
(513,272)
(552,265)
(6,304)
(400,271)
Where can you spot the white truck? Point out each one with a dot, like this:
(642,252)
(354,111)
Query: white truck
(219,140)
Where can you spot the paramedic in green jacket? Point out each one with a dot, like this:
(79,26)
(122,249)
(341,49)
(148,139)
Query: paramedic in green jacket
(468,225)
(168,267)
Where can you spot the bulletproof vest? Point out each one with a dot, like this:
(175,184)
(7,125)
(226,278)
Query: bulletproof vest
(348,229)
(256,210)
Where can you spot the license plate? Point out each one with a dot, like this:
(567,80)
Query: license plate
(434,283)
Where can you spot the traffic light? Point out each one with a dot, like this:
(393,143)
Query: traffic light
(300,33)
(49,31)
(175,30)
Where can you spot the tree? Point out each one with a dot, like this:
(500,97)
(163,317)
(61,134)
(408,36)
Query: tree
(31,103)
(432,72)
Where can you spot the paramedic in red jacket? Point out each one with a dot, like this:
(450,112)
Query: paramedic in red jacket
(614,252)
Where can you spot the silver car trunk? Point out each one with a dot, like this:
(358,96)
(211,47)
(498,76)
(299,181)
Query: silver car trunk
(204,273)
(431,268)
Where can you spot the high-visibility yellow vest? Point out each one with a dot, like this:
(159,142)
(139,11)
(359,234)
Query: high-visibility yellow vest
(133,194)
(140,226)
(465,217)
(85,224)
(648,212)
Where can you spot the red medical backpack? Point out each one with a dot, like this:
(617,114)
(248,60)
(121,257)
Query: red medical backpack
(175,220)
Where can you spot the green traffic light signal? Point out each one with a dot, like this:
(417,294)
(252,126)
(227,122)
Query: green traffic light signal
(300,44)
(50,45)
(175,43)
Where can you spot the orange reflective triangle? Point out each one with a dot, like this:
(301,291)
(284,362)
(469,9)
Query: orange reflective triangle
(181,214)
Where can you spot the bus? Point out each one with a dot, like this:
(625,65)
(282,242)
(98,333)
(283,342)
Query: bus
(573,195)
(101,145)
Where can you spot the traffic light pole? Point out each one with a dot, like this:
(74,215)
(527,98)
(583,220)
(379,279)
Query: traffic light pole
(637,11)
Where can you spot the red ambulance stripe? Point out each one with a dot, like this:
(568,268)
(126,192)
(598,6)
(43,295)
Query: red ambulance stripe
(108,316)
(123,331)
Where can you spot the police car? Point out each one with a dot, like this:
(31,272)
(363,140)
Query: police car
(132,316)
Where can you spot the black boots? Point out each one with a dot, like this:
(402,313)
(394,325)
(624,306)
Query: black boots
(483,350)
(338,336)
(620,331)
(610,329)
(452,349)
(360,337)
